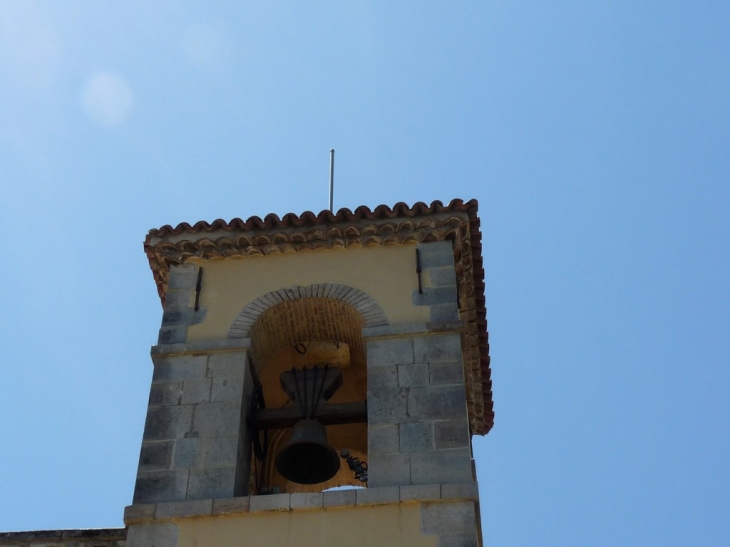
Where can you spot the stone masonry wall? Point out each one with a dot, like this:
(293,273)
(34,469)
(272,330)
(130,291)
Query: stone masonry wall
(194,443)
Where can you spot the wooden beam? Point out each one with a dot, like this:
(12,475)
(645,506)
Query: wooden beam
(328,414)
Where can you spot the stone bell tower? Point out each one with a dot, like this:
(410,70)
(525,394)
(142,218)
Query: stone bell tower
(317,381)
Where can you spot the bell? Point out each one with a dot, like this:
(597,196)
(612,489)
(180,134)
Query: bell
(307,457)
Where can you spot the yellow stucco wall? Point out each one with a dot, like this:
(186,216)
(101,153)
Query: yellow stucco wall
(378,526)
(388,274)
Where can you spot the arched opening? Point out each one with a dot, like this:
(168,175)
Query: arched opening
(299,334)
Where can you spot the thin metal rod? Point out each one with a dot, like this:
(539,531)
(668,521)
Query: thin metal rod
(198,286)
(332,177)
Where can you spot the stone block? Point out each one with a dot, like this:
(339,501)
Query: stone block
(442,276)
(220,451)
(390,351)
(157,534)
(385,377)
(177,317)
(211,483)
(387,406)
(339,498)
(229,364)
(443,314)
(441,466)
(231,506)
(179,367)
(436,403)
(446,373)
(158,486)
(420,492)
(182,276)
(142,512)
(435,254)
(448,518)
(167,422)
(460,491)
(196,391)
(178,299)
(301,501)
(188,453)
(172,335)
(227,389)
(415,375)
(272,502)
(217,419)
(165,394)
(383,440)
(184,509)
(459,540)
(436,296)
(416,437)
(437,348)
(451,434)
(389,470)
(378,495)
(155,456)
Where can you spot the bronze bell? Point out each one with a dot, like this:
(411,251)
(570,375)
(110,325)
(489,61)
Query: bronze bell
(307,457)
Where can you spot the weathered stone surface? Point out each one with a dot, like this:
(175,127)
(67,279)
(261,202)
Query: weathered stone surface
(448,518)
(211,483)
(182,276)
(389,470)
(460,490)
(183,509)
(188,453)
(383,440)
(220,451)
(158,534)
(435,254)
(416,437)
(229,364)
(458,540)
(227,389)
(167,422)
(390,351)
(441,466)
(301,501)
(339,498)
(378,496)
(387,406)
(443,313)
(420,492)
(436,403)
(159,486)
(172,335)
(435,296)
(437,348)
(177,299)
(446,373)
(155,456)
(141,512)
(385,377)
(196,391)
(442,276)
(217,419)
(231,506)
(451,434)
(272,502)
(179,367)
(165,394)
(415,375)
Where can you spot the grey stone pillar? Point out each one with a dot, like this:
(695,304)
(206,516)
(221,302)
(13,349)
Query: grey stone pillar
(195,442)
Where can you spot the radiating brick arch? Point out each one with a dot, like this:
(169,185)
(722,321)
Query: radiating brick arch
(371,312)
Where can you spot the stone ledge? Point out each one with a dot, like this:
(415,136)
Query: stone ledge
(202,346)
(383,495)
(407,329)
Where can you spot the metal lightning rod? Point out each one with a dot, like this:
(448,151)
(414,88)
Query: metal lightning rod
(332,177)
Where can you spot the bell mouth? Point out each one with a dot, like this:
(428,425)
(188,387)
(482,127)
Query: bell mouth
(307,457)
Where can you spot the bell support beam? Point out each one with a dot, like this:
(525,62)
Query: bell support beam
(327,414)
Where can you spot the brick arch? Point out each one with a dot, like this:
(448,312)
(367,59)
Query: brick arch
(371,312)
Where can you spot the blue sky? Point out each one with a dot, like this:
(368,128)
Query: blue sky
(593,134)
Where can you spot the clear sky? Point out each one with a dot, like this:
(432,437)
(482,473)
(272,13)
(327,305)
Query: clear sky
(593,133)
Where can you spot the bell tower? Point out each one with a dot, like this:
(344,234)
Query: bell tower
(317,381)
